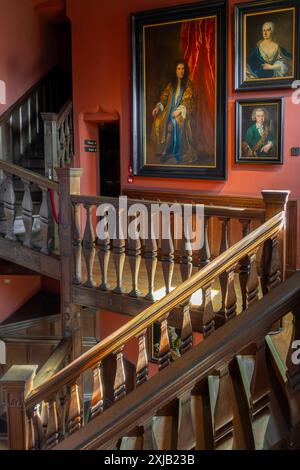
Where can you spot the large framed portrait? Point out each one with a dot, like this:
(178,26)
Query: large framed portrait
(267,44)
(180,91)
(259,131)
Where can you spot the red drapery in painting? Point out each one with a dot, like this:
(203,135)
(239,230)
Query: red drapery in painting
(197,47)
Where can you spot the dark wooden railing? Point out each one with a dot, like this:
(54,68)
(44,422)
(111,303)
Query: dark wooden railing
(58,139)
(225,393)
(31,236)
(21,125)
(69,377)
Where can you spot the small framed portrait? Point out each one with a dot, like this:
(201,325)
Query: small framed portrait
(259,131)
(174,339)
(179,94)
(267,44)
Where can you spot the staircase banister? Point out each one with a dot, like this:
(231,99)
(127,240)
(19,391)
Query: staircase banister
(153,313)
(60,116)
(29,176)
(186,371)
(217,211)
(26,95)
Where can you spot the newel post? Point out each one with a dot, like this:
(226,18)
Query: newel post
(276,202)
(18,383)
(69,184)
(50,143)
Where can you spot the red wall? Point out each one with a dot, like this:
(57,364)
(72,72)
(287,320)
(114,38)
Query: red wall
(15,291)
(27,48)
(102,77)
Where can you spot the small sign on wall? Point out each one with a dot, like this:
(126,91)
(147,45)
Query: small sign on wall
(90,146)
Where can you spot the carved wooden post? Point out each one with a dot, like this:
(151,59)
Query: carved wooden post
(97,395)
(50,143)
(142,363)
(244,265)
(69,183)
(206,311)
(18,382)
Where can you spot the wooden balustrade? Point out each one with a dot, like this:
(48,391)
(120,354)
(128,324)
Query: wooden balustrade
(21,125)
(29,236)
(159,312)
(58,139)
(202,401)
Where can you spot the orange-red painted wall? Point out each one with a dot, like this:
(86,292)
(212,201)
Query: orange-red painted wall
(102,79)
(16,291)
(27,48)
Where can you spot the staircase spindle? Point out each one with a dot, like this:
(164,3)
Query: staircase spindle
(186,434)
(97,396)
(44,416)
(67,143)
(104,255)
(52,432)
(120,377)
(148,434)
(186,268)
(206,311)
(252,282)
(77,245)
(36,437)
(167,255)
(223,412)
(271,265)
(150,254)
(244,265)
(27,214)
(45,221)
(164,354)
(9,201)
(74,415)
(62,143)
(89,246)
(119,256)
(223,247)
(134,255)
(229,300)
(142,363)
(204,257)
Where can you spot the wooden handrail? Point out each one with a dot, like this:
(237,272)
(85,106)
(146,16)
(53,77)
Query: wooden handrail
(24,174)
(156,311)
(182,375)
(217,211)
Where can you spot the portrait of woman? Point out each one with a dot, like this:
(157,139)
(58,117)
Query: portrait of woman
(267,44)
(173,119)
(268,59)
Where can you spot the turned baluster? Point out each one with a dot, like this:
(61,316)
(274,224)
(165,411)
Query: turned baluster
(52,432)
(74,414)
(186,434)
(205,254)
(228,310)
(45,221)
(77,246)
(150,254)
(292,386)
(59,149)
(67,140)
(206,311)
(36,437)
(119,255)
(27,213)
(70,117)
(44,416)
(9,200)
(271,265)
(223,412)
(244,265)
(97,396)
(186,268)
(89,246)
(252,282)
(164,354)
(142,363)
(223,247)
(134,255)
(260,385)
(120,377)
(62,143)
(104,255)
(167,254)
